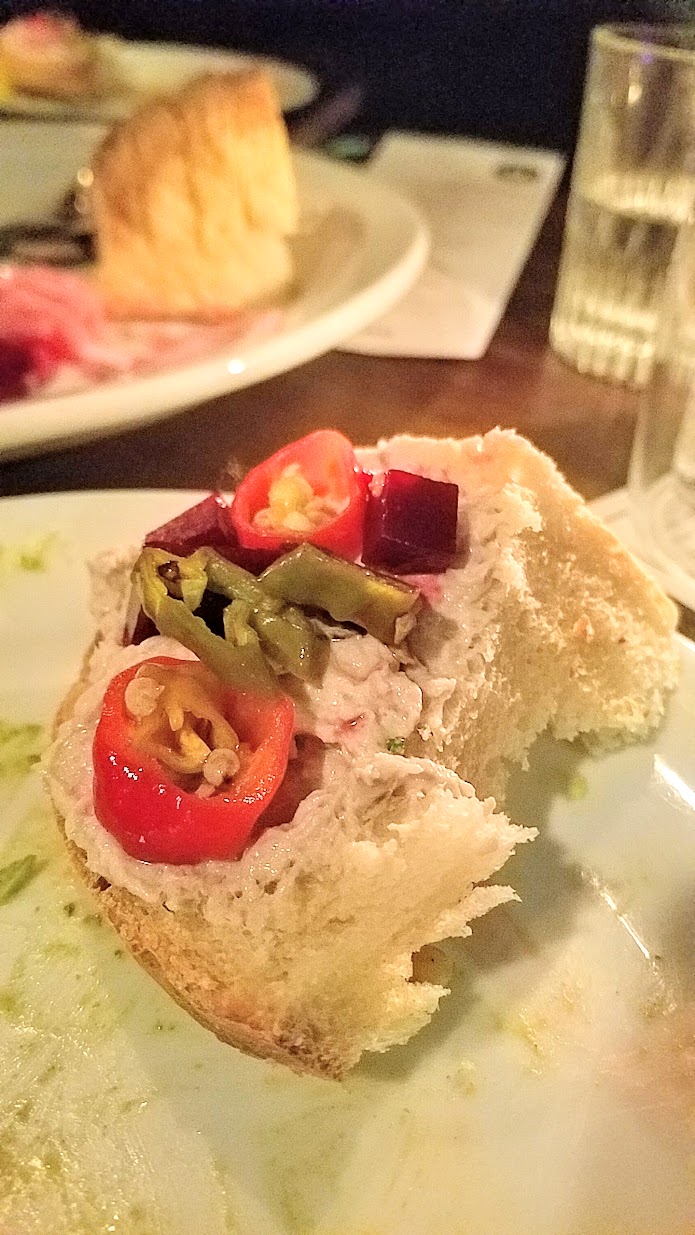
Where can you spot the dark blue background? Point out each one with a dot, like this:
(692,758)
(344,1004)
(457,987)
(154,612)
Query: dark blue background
(510,69)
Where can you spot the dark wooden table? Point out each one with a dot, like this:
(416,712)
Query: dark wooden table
(585,424)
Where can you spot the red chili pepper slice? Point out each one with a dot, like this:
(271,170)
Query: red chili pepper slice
(141,803)
(326,461)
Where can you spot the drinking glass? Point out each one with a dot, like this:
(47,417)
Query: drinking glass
(632,185)
(662,468)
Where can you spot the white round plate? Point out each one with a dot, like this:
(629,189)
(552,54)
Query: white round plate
(144,69)
(360,248)
(552,1094)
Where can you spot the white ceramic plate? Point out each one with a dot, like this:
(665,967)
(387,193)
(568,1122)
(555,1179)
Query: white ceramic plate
(360,248)
(143,69)
(552,1094)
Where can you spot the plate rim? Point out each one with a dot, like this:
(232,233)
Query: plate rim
(441,1095)
(31,426)
(26,106)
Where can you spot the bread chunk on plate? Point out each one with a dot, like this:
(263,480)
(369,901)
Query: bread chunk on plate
(551,622)
(194,199)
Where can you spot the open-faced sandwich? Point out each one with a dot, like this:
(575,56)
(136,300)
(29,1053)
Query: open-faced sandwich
(276,772)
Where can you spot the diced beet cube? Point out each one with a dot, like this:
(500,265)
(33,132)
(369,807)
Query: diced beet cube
(207,525)
(410,524)
(15,369)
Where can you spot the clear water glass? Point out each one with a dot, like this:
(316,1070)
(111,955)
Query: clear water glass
(662,469)
(632,186)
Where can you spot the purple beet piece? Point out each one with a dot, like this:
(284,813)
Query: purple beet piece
(15,369)
(207,525)
(410,525)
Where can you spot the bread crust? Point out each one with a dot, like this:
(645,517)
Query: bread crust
(159,939)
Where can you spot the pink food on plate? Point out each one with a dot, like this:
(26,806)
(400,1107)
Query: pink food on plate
(55,335)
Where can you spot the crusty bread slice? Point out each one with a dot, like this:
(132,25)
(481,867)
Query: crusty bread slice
(194,197)
(303,950)
(305,954)
(550,623)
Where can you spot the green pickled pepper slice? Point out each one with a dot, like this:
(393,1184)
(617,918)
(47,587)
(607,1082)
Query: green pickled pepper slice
(265,630)
(237,628)
(348,592)
(287,636)
(228,579)
(183,577)
(240,667)
(258,628)
(291,642)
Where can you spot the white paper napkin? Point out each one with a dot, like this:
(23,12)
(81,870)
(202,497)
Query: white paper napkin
(614,509)
(485,204)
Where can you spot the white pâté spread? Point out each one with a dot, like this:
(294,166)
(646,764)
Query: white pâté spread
(364,698)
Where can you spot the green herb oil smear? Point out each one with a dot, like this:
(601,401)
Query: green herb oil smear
(15,876)
(20,748)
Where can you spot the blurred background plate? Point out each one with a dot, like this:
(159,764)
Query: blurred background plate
(552,1094)
(359,249)
(144,69)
